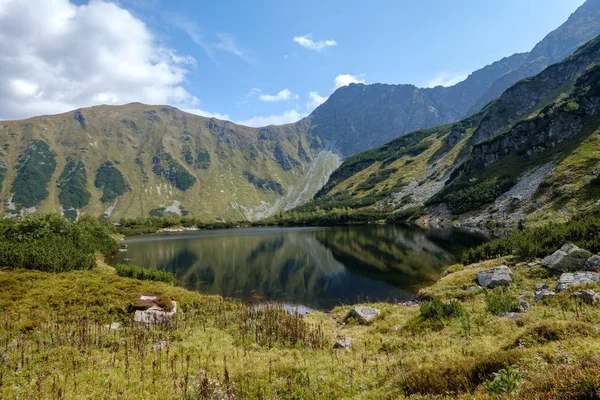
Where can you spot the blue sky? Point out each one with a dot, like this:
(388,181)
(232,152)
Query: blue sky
(258,62)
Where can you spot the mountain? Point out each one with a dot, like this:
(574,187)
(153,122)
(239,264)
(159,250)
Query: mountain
(359,117)
(140,160)
(529,155)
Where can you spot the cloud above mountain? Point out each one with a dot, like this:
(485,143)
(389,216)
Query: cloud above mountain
(346,79)
(56,56)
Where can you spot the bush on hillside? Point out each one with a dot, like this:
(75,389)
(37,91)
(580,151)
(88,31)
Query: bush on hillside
(144,274)
(582,230)
(52,244)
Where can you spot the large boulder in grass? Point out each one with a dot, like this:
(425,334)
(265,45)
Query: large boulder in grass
(495,277)
(568,279)
(362,314)
(568,258)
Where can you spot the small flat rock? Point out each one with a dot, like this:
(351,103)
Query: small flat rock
(540,286)
(343,343)
(363,314)
(114,326)
(495,277)
(542,294)
(566,259)
(587,296)
(593,262)
(576,279)
(515,316)
(533,263)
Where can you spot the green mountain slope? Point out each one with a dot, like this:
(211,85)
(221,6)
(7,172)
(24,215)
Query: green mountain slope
(139,160)
(528,155)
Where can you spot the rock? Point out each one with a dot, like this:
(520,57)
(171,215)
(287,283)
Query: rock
(593,262)
(540,286)
(566,259)
(597,205)
(343,343)
(587,296)
(513,315)
(575,279)
(160,345)
(154,315)
(533,263)
(474,288)
(495,277)
(363,314)
(114,326)
(542,294)
(523,305)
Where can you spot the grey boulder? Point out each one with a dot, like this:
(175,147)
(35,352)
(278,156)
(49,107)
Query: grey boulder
(566,259)
(495,277)
(587,296)
(363,314)
(540,286)
(593,262)
(542,294)
(575,279)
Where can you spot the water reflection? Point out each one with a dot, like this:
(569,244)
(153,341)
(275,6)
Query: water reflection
(317,267)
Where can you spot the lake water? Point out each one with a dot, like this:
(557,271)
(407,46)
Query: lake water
(316,267)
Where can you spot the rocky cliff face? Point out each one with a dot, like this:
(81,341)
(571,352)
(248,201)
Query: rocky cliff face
(527,154)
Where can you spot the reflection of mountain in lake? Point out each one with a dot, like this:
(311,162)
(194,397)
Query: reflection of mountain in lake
(315,267)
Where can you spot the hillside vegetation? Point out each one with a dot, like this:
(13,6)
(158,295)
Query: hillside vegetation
(527,156)
(138,160)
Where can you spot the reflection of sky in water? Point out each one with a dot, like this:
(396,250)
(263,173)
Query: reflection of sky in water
(318,267)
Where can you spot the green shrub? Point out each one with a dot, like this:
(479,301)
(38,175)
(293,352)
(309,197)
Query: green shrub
(52,244)
(433,314)
(144,274)
(506,381)
(499,301)
(583,230)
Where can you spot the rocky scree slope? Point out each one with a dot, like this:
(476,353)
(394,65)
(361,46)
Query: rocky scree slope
(528,155)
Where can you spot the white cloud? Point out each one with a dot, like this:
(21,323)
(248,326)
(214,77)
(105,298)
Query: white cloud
(56,56)
(307,42)
(283,95)
(282,119)
(346,79)
(446,79)
(314,100)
